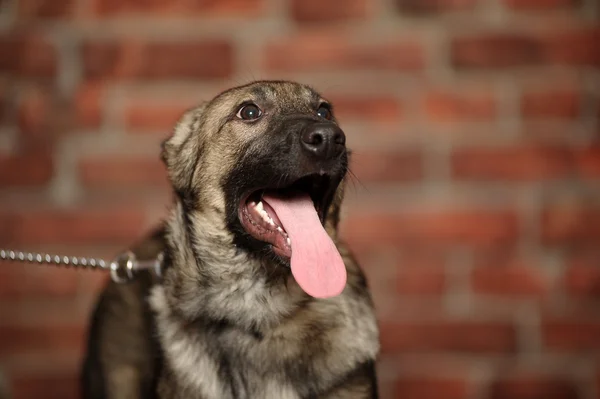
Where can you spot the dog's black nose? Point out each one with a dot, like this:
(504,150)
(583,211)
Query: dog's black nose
(324,140)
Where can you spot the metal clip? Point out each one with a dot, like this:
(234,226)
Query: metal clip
(121,269)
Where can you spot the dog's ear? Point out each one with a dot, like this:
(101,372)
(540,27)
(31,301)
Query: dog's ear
(181,150)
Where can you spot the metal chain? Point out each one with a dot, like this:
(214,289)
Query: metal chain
(122,269)
(49,259)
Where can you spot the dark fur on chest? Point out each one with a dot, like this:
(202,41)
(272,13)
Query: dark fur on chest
(125,358)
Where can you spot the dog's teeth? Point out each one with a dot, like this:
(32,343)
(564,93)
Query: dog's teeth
(289,242)
(271,222)
(252,204)
(259,207)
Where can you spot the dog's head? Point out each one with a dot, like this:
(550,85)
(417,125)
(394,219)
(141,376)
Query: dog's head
(249,163)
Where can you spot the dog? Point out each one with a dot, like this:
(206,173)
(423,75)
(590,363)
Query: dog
(258,296)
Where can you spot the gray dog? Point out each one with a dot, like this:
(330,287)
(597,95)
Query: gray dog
(259,299)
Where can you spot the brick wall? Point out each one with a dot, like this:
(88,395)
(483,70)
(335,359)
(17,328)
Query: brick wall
(476,208)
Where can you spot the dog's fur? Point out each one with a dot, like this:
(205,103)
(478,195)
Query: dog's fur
(227,320)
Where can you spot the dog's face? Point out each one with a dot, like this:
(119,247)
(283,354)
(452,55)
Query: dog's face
(266,139)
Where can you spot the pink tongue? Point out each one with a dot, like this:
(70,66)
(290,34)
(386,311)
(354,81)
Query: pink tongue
(316,263)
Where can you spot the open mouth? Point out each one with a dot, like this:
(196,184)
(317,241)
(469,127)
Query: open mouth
(291,219)
(261,220)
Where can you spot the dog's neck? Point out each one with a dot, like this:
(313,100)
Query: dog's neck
(208,277)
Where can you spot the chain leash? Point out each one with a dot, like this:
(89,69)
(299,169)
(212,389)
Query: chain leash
(122,268)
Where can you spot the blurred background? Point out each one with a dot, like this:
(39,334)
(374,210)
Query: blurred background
(476,208)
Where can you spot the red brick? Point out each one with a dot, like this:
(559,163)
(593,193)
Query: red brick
(583,281)
(494,51)
(330,11)
(567,335)
(582,276)
(431,388)
(313,52)
(587,161)
(572,47)
(92,284)
(73,226)
(33,168)
(421,274)
(429,281)
(35,339)
(553,103)
(511,163)
(27,56)
(34,111)
(126,172)
(88,106)
(363,107)
(246,8)
(54,385)
(512,279)
(155,116)
(4,94)
(540,5)
(475,228)
(386,165)
(45,8)
(446,336)
(206,59)
(501,50)
(574,225)
(544,387)
(30,281)
(434,6)
(42,116)
(461,106)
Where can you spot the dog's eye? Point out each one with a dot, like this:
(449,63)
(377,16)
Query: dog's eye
(324,112)
(249,112)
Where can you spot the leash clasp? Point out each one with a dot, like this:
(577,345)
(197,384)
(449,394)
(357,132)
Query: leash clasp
(121,269)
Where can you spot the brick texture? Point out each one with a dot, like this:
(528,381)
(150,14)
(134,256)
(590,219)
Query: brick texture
(28,55)
(45,9)
(124,172)
(431,388)
(157,60)
(514,163)
(534,388)
(52,386)
(331,11)
(565,104)
(446,228)
(582,276)
(317,52)
(571,335)
(111,8)
(473,200)
(502,50)
(461,106)
(22,282)
(512,279)
(466,337)
(540,5)
(35,169)
(575,225)
(425,7)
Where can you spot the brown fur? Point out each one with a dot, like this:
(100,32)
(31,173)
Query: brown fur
(227,321)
